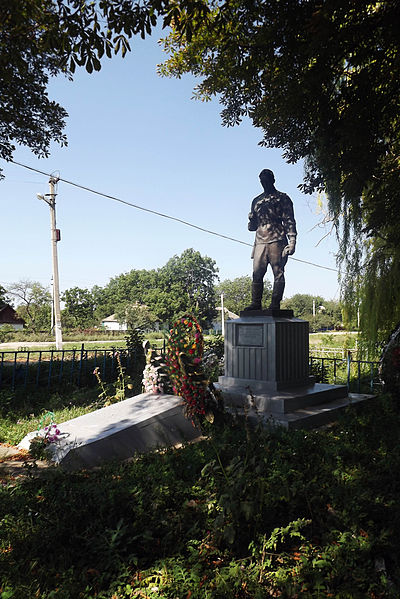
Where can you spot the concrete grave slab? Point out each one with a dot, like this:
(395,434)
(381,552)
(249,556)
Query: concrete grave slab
(138,424)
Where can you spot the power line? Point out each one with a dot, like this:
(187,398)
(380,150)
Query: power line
(174,218)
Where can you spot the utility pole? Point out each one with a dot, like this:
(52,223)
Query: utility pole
(222,315)
(50,199)
(52,305)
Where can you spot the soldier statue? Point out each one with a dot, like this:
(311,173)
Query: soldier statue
(272,217)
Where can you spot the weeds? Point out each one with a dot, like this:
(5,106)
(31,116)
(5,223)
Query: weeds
(247,516)
(113,392)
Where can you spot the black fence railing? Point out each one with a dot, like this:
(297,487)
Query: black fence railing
(50,368)
(360,376)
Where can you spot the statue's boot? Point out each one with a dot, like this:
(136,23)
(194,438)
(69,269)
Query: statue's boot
(277,294)
(256,296)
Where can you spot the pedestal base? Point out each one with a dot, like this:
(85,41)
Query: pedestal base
(267,373)
(266,352)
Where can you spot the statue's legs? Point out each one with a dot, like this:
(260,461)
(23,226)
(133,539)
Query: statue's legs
(260,263)
(278,268)
(264,254)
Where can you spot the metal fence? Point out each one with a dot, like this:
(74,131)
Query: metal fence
(360,376)
(50,368)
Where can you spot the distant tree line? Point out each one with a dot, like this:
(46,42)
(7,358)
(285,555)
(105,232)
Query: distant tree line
(186,283)
(142,298)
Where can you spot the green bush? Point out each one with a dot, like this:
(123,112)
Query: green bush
(215,343)
(137,359)
(6,333)
(322,371)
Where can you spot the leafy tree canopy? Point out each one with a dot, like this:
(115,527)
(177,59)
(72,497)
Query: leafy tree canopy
(79,306)
(33,304)
(44,38)
(124,290)
(319,312)
(189,279)
(3,296)
(184,284)
(137,316)
(322,81)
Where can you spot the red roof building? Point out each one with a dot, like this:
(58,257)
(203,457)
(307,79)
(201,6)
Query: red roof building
(9,316)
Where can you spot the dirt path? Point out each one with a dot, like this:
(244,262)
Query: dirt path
(14,463)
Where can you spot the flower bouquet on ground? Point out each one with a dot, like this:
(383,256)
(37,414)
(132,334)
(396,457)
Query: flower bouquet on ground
(184,360)
(47,434)
(155,375)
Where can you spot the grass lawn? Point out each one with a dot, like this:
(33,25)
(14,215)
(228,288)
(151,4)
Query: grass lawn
(333,340)
(22,411)
(243,514)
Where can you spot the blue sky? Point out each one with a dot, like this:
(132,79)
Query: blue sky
(140,137)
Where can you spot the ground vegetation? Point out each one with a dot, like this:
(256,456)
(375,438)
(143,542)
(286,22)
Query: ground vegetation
(243,513)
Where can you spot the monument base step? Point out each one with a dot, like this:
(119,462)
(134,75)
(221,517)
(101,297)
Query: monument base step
(313,416)
(307,407)
(281,401)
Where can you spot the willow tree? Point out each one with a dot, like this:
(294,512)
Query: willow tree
(321,79)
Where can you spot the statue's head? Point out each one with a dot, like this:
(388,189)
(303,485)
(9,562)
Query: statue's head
(267,177)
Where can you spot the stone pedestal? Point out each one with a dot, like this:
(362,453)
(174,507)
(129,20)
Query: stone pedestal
(266,373)
(266,351)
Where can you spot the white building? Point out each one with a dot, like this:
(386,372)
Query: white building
(111,323)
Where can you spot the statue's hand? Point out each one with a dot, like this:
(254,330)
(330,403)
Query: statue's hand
(289,249)
(253,222)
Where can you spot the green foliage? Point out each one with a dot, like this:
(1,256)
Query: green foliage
(322,371)
(138,316)
(376,290)
(22,412)
(328,313)
(188,281)
(3,296)
(245,514)
(124,290)
(184,284)
(79,308)
(116,391)
(137,359)
(213,358)
(216,344)
(40,39)
(6,332)
(390,364)
(34,304)
(27,116)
